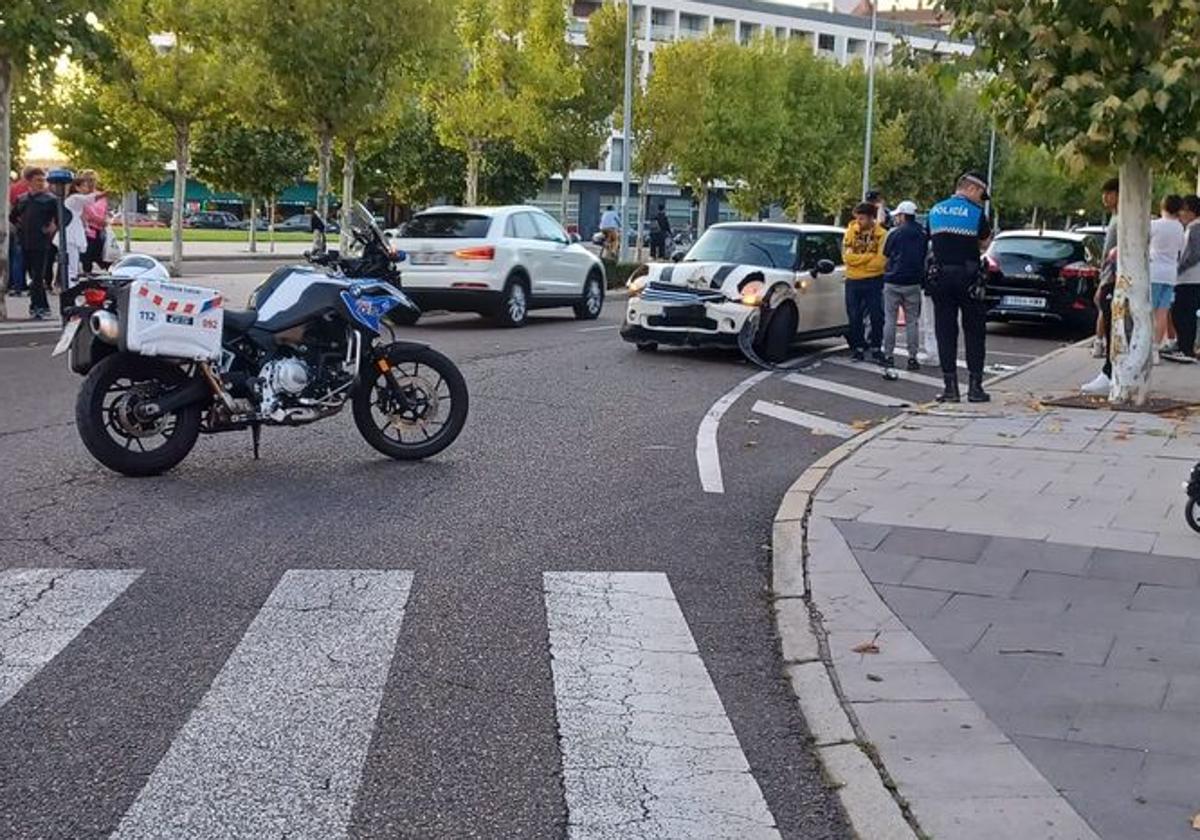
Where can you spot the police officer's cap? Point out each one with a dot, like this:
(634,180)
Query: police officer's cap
(979,180)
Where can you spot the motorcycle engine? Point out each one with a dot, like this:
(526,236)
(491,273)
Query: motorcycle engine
(282,380)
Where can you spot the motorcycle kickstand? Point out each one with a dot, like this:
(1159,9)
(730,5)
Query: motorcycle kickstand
(255,437)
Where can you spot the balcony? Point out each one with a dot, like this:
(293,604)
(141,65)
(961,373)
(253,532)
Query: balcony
(662,32)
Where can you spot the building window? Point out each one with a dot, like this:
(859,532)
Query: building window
(826,43)
(692,26)
(749,31)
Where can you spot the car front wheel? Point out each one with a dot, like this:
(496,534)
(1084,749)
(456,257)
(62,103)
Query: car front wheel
(775,340)
(589,308)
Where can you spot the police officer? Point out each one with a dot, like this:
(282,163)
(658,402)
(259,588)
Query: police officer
(959,232)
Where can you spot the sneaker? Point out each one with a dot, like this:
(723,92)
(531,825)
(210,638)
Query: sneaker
(913,364)
(1099,351)
(39,315)
(857,355)
(886,361)
(878,357)
(1177,356)
(1098,387)
(1171,345)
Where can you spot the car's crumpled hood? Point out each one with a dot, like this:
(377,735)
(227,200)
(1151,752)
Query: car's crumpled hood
(713,276)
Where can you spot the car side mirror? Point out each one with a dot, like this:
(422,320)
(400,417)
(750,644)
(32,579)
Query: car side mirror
(824,267)
(677,256)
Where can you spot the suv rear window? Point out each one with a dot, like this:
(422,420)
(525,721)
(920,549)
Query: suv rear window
(1038,248)
(448,226)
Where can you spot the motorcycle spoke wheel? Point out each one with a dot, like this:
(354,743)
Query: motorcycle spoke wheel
(414,409)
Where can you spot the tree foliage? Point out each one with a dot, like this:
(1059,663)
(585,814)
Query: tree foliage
(259,162)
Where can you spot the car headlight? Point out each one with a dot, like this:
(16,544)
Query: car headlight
(752,293)
(636,285)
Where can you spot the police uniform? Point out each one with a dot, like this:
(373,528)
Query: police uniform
(956,228)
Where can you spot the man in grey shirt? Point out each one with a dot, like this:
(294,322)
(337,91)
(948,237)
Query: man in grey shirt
(1102,384)
(1187,286)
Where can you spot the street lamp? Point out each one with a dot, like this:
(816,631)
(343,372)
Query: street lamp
(866,179)
(627,120)
(59,180)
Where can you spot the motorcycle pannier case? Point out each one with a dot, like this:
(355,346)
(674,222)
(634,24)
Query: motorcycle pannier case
(170,319)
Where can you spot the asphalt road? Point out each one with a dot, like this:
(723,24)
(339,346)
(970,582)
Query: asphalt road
(579,456)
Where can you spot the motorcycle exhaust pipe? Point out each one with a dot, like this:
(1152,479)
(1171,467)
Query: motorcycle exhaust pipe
(196,390)
(105,326)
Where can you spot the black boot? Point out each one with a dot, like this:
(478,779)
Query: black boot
(950,393)
(975,392)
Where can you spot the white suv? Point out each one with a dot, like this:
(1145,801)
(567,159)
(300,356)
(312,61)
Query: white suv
(497,261)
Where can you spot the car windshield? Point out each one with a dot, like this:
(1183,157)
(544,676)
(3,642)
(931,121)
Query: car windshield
(448,226)
(1036,249)
(761,246)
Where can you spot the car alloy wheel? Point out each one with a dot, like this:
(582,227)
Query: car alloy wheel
(516,303)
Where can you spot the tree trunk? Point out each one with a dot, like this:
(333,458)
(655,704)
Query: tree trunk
(271,225)
(348,165)
(799,212)
(474,154)
(566,194)
(253,227)
(324,154)
(1132,333)
(6,86)
(702,214)
(181,168)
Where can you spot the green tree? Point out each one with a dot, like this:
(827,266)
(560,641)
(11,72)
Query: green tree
(714,109)
(1113,83)
(343,69)
(168,65)
(98,127)
(411,164)
(255,161)
(486,102)
(33,34)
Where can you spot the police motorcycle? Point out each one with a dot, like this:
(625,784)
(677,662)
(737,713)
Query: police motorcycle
(164,362)
(1192,511)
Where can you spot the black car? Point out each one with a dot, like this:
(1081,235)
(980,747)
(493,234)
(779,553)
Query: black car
(212,220)
(1048,276)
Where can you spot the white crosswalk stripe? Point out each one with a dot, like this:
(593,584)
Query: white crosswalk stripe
(905,375)
(277,745)
(860,394)
(647,749)
(42,610)
(820,425)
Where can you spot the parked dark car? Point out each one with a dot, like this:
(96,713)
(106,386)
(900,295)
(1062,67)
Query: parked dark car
(1043,276)
(212,220)
(302,222)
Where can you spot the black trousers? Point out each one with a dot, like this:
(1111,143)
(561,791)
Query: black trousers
(658,246)
(952,298)
(1183,313)
(94,255)
(864,302)
(1106,302)
(39,267)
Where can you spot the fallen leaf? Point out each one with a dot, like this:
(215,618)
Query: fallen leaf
(1158,432)
(866,647)
(1121,436)
(861,425)
(1196,823)
(1054,428)
(1036,405)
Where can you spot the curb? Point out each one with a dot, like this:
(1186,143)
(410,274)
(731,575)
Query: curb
(874,806)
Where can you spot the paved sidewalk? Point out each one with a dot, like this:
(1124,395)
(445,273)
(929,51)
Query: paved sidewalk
(1034,593)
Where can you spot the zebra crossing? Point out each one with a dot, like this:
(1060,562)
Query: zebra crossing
(277,744)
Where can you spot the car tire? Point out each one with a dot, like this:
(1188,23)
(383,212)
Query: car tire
(592,304)
(513,309)
(777,334)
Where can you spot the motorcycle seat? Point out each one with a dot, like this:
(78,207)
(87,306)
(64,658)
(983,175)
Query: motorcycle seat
(239,321)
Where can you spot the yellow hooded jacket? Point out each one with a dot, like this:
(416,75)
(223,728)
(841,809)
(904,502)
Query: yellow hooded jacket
(862,251)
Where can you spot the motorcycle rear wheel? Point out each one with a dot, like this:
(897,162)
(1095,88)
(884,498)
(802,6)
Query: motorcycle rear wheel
(431,413)
(108,427)
(1193,515)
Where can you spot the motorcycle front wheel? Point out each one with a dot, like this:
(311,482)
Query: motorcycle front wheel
(106,416)
(1193,516)
(415,408)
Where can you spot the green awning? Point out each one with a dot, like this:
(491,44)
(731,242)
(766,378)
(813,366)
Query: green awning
(302,193)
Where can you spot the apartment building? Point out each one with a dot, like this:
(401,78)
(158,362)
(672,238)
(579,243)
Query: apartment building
(836,35)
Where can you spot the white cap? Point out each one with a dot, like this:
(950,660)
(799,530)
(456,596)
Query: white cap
(906,208)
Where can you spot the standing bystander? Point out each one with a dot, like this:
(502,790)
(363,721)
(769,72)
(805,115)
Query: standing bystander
(660,233)
(1166,244)
(16,260)
(905,248)
(1187,284)
(959,231)
(862,253)
(1110,195)
(610,226)
(36,217)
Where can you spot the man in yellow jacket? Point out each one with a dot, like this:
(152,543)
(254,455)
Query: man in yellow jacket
(862,252)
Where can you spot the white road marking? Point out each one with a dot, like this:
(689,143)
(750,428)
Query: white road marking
(863,367)
(889,400)
(904,353)
(42,610)
(708,458)
(598,329)
(277,745)
(821,425)
(647,749)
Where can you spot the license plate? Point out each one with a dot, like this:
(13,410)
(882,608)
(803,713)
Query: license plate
(1021,302)
(428,258)
(68,335)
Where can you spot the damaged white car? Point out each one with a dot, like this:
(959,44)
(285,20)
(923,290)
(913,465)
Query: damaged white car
(761,285)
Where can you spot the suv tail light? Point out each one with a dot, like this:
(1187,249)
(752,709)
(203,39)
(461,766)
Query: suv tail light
(1080,271)
(482,253)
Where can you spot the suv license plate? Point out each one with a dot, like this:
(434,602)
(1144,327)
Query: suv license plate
(427,258)
(1021,302)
